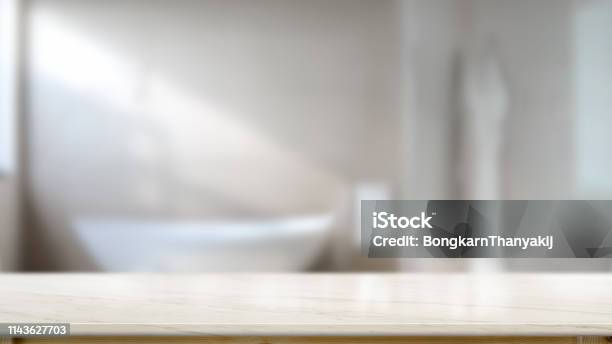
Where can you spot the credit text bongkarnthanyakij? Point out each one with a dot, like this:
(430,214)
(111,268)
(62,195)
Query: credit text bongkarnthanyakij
(486,228)
(385,220)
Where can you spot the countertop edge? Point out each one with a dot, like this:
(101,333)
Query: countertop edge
(233,330)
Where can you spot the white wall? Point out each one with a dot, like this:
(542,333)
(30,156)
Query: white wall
(430,49)
(534,44)
(535,48)
(9,17)
(593,63)
(9,243)
(205,109)
(244,108)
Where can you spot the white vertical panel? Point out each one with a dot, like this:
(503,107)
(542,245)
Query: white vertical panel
(8,126)
(8,72)
(593,56)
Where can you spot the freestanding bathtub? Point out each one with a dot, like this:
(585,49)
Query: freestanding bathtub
(129,244)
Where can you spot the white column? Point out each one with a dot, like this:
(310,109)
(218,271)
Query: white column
(9,58)
(485,108)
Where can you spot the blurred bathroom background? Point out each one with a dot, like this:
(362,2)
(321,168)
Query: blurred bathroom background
(240,135)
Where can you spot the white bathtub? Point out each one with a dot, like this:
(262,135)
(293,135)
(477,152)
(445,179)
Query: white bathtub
(289,244)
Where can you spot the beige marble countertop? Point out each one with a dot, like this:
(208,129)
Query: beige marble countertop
(312,304)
